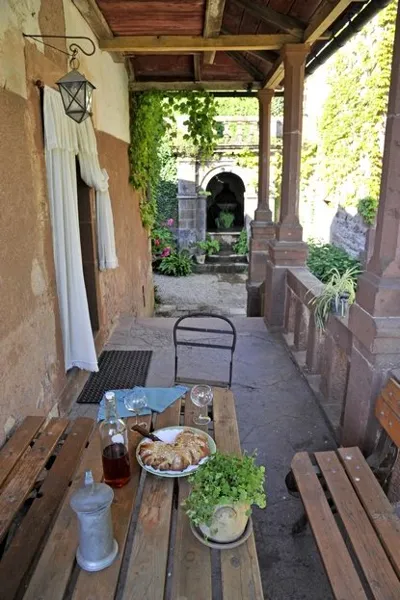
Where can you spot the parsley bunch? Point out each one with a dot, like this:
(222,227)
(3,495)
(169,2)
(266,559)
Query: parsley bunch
(224,479)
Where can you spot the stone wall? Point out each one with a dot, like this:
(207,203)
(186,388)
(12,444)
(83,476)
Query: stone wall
(32,376)
(350,233)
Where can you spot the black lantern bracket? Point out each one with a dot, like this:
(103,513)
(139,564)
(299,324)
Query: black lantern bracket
(73,48)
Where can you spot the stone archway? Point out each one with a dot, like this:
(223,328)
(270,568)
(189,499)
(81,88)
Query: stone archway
(226,192)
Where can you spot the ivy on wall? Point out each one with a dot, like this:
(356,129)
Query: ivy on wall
(353,119)
(153,125)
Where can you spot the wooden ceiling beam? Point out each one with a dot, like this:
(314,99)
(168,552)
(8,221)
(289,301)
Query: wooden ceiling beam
(323,18)
(246,65)
(197,67)
(214,86)
(265,55)
(272,17)
(96,21)
(130,69)
(163,44)
(212,25)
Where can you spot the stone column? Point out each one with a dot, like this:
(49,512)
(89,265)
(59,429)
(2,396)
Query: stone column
(262,228)
(375,316)
(188,209)
(287,249)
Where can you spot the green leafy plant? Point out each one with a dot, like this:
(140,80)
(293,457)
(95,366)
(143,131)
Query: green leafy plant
(162,240)
(177,264)
(340,286)
(209,246)
(224,479)
(242,245)
(225,219)
(323,258)
(367,208)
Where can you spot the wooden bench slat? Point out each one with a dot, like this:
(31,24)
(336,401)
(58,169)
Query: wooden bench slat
(24,475)
(147,570)
(192,560)
(240,570)
(387,410)
(30,534)
(12,451)
(338,564)
(373,560)
(103,584)
(51,575)
(373,498)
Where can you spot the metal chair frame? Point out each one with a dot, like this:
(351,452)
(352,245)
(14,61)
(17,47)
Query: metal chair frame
(231,347)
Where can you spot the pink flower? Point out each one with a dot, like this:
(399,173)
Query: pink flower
(166,252)
(157,242)
(170,222)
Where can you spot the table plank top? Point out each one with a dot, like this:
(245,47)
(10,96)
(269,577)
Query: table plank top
(158,557)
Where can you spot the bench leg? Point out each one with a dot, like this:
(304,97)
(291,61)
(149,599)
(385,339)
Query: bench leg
(300,524)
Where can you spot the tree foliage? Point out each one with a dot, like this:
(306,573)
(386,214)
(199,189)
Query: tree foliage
(352,123)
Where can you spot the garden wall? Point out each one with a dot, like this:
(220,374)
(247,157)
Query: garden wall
(350,233)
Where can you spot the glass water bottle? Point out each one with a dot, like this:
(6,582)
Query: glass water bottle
(114,445)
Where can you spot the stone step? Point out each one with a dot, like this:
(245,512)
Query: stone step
(225,258)
(172,310)
(219,267)
(226,239)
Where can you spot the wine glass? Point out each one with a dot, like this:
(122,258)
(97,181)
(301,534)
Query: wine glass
(135,402)
(201,396)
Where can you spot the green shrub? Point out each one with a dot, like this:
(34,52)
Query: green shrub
(209,246)
(324,258)
(367,208)
(162,241)
(242,245)
(177,264)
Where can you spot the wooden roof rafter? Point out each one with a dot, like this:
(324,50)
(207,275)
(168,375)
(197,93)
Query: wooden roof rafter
(212,25)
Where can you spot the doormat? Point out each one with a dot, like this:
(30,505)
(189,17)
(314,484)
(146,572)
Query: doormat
(118,370)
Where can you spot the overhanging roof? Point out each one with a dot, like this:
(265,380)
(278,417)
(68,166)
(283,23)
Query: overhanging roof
(219,44)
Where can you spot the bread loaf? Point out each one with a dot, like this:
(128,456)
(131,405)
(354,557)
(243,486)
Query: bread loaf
(187,449)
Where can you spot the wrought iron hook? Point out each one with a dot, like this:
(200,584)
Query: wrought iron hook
(74,47)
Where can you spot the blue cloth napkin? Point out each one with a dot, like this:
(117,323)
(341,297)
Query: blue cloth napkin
(158,399)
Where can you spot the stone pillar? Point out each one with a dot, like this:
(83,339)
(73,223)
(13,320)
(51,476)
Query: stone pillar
(287,249)
(262,228)
(191,209)
(375,316)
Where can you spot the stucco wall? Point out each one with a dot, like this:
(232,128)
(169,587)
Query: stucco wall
(32,376)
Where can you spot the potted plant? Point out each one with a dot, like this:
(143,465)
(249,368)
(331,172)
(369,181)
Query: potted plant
(225,219)
(242,246)
(223,490)
(207,247)
(338,293)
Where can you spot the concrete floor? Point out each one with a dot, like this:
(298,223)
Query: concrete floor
(277,415)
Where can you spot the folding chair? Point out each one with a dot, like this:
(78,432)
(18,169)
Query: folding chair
(230,345)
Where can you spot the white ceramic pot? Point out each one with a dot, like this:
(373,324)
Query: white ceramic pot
(201,259)
(228,523)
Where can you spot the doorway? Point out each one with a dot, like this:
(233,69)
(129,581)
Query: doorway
(226,194)
(87,234)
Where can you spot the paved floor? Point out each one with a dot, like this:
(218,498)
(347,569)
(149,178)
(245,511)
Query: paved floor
(277,415)
(221,293)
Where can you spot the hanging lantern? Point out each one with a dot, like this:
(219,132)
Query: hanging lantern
(76,93)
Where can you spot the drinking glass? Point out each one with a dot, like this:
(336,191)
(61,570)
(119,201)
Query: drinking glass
(201,396)
(135,402)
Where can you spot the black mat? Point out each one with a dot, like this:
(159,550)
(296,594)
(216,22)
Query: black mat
(118,369)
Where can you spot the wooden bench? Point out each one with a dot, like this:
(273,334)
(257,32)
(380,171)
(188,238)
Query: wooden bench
(360,549)
(159,559)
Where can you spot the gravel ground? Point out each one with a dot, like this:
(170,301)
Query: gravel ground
(218,293)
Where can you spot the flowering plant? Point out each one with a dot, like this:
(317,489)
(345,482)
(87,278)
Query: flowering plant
(162,240)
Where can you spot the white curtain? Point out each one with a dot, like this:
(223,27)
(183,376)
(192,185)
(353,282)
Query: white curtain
(61,147)
(97,178)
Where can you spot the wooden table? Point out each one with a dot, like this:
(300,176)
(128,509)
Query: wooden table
(362,556)
(159,557)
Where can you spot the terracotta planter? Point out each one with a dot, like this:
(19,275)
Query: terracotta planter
(200,258)
(228,523)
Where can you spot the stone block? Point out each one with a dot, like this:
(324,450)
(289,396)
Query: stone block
(302,317)
(274,304)
(254,299)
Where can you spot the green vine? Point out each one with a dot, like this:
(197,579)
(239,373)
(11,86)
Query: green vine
(153,118)
(352,123)
(367,208)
